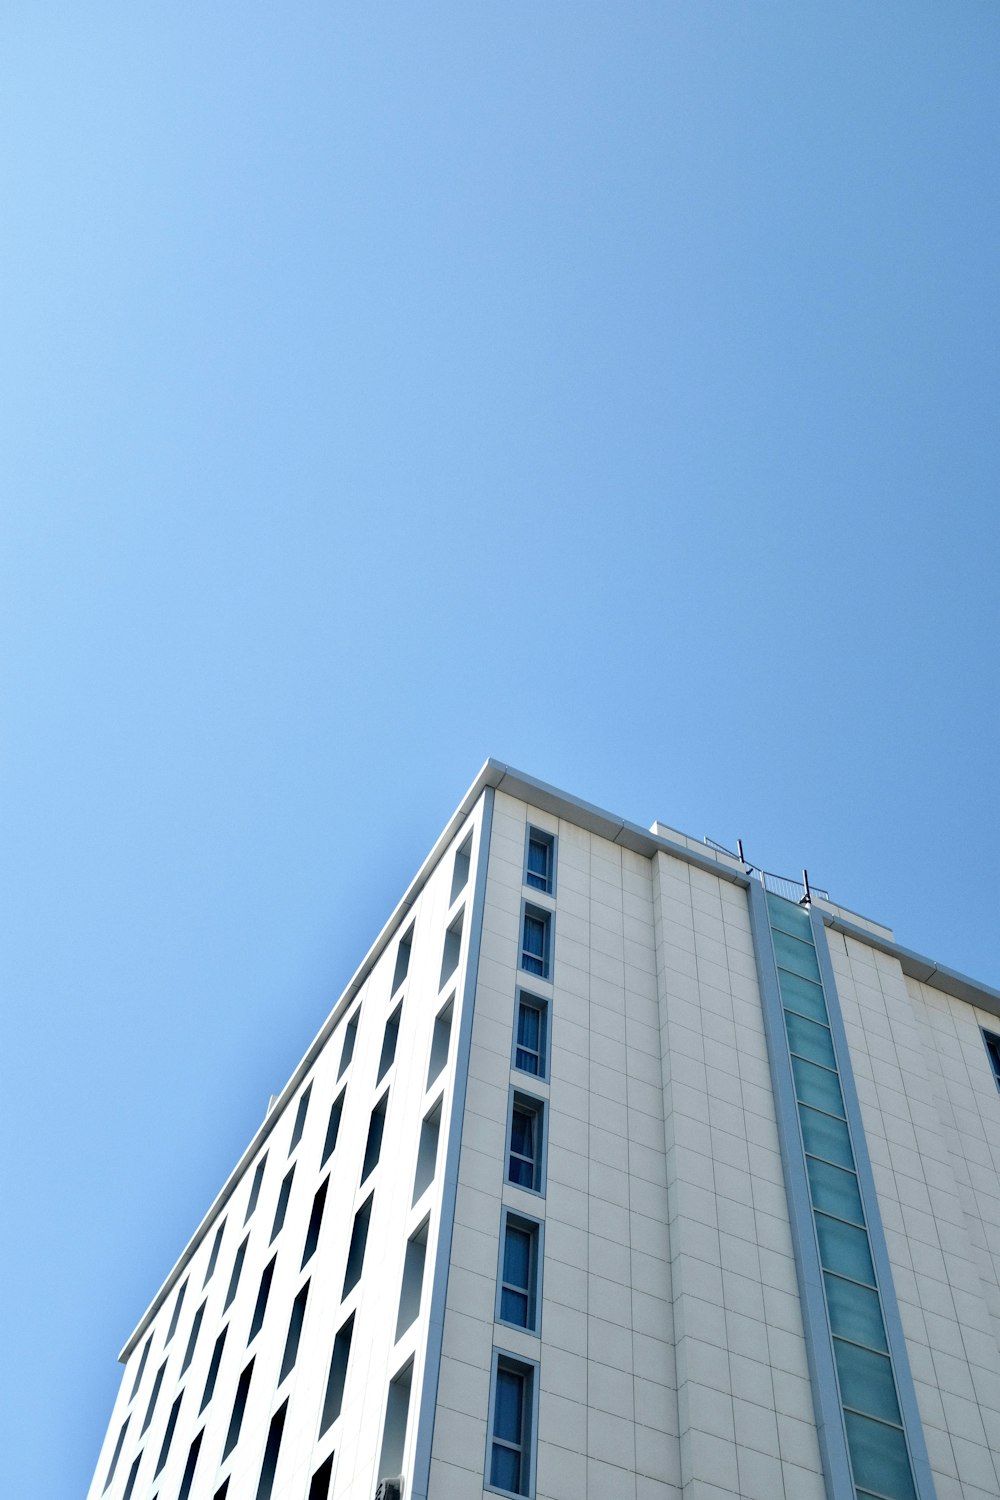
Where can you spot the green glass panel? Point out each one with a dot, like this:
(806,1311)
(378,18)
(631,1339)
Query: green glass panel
(802,995)
(789,916)
(879,1457)
(826,1137)
(811,1040)
(834,1190)
(844,1249)
(866,1382)
(855,1312)
(817,1086)
(798,957)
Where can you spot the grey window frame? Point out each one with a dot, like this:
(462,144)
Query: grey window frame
(540,1003)
(537,1228)
(991,1041)
(539,1107)
(534,834)
(530,1367)
(546,915)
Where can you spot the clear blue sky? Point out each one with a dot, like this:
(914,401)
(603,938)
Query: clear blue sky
(611,388)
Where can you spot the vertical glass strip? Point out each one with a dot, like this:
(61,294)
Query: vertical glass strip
(876,1439)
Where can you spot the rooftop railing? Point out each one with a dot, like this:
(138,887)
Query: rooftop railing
(779,885)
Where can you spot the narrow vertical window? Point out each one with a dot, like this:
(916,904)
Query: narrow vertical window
(133,1475)
(397,1412)
(117,1453)
(213,1258)
(193,1337)
(993,1051)
(440,1042)
(427,1150)
(530,1044)
(142,1365)
(168,1436)
(176,1314)
(295,1322)
(192,1463)
(213,1370)
(234,1279)
(460,873)
(389,1039)
(510,1433)
(413,1280)
(524,1162)
(239,1407)
(282,1208)
(540,862)
(334,1399)
(300,1120)
(373,1145)
(258,1178)
(263,1292)
(350,1038)
(402,960)
(333,1127)
(271,1450)
(320,1487)
(315,1222)
(536,941)
(452,949)
(356,1254)
(518,1302)
(152,1398)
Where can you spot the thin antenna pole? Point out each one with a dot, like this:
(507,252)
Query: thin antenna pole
(805,882)
(739,850)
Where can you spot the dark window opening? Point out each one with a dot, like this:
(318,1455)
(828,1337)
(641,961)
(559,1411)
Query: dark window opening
(315,1222)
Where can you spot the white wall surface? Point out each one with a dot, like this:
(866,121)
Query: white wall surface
(375,1356)
(932,1120)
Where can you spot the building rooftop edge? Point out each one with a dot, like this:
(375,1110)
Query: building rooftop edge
(504,778)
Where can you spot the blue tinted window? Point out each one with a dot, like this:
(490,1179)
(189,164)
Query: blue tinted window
(844,1249)
(796,956)
(855,1312)
(509,1465)
(518,1298)
(879,1457)
(535,943)
(524,1164)
(826,1137)
(835,1191)
(539,871)
(529,1054)
(817,1086)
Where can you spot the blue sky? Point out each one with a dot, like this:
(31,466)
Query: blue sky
(611,389)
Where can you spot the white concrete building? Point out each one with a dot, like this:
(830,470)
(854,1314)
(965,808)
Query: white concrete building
(614,1174)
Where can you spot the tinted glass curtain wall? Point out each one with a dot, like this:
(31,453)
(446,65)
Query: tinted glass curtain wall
(879,1442)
